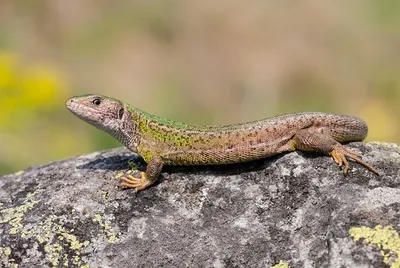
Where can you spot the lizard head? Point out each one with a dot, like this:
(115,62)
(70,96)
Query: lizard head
(107,114)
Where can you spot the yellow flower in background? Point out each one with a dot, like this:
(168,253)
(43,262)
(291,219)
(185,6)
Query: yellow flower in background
(32,114)
(43,85)
(7,64)
(27,89)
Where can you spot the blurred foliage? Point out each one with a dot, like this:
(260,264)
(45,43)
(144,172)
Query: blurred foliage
(385,13)
(208,62)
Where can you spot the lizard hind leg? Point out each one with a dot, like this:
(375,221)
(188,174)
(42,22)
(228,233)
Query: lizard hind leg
(339,154)
(312,140)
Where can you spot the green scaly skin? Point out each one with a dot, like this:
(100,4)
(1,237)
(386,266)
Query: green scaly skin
(162,141)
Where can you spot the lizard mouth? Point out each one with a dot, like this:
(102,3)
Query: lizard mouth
(82,111)
(73,106)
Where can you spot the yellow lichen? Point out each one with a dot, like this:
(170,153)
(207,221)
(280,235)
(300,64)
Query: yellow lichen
(385,238)
(70,238)
(111,236)
(121,174)
(18,173)
(132,164)
(58,241)
(26,233)
(56,252)
(53,253)
(5,251)
(97,218)
(281,264)
(14,216)
(105,195)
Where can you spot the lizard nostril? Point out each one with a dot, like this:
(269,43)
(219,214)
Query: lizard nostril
(70,102)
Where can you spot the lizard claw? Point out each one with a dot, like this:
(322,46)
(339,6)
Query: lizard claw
(137,183)
(339,154)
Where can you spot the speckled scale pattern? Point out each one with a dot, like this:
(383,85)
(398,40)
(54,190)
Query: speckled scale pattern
(183,144)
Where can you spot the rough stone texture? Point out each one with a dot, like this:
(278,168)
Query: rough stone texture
(296,208)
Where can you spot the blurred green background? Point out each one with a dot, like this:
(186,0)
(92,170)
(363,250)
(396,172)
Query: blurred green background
(204,62)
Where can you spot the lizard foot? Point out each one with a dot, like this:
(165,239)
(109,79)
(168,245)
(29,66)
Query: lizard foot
(137,183)
(339,154)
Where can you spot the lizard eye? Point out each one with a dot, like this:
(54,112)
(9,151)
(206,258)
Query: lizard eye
(96,101)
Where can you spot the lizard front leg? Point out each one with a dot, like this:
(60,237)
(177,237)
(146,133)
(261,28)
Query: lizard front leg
(153,170)
(312,140)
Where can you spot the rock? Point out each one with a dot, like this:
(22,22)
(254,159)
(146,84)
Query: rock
(296,209)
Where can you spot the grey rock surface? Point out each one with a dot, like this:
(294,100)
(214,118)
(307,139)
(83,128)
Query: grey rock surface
(296,209)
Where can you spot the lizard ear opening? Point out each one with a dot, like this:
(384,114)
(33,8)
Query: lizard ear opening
(120,113)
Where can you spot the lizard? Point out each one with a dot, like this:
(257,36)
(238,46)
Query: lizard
(160,141)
